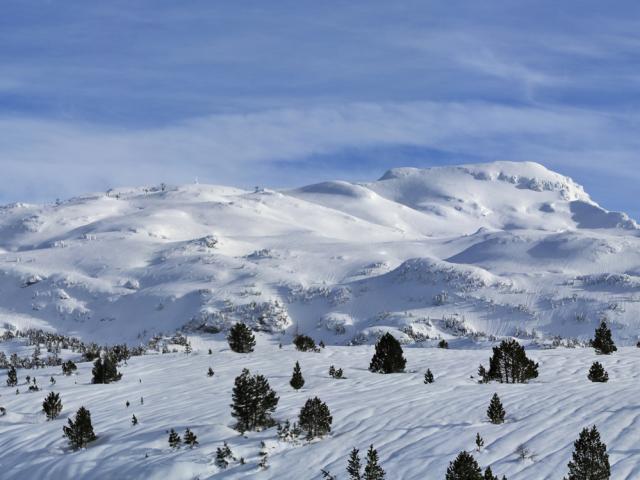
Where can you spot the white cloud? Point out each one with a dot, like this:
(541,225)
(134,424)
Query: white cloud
(53,158)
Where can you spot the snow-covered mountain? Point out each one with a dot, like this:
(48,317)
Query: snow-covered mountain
(476,250)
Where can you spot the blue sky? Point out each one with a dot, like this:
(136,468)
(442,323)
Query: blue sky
(95,94)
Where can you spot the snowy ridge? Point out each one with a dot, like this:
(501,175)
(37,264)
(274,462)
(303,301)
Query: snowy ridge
(509,247)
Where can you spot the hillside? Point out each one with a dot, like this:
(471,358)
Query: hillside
(455,252)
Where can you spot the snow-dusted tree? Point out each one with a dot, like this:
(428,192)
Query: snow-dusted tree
(241,339)
(12,377)
(443,344)
(388,357)
(134,420)
(602,340)
(479,442)
(597,373)
(353,465)
(315,418)
(52,406)
(69,367)
(373,470)
(428,376)
(590,460)
(223,456)
(105,370)
(264,456)
(174,439)
(509,364)
(210,372)
(253,402)
(190,438)
(496,412)
(464,467)
(297,381)
(79,432)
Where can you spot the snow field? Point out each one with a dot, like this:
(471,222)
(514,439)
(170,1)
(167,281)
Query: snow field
(416,428)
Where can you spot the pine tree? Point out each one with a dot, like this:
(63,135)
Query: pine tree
(297,381)
(353,466)
(495,412)
(263,456)
(315,418)
(253,402)
(479,442)
(105,370)
(210,372)
(388,357)
(187,348)
(134,420)
(80,432)
(12,377)
(69,367)
(372,470)
(174,439)
(509,364)
(602,341)
(223,454)
(590,460)
(488,475)
(241,339)
(464,467)
(597,373)
(190,438)
(304,343)
(428,377)
(52,406)
(443,344)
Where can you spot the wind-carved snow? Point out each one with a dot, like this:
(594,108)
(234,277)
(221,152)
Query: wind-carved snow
(501,245)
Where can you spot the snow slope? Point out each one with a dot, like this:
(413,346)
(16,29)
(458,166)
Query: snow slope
(416,428)
(501,248)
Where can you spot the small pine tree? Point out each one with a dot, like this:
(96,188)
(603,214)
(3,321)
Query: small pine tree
(353,466)
(428,377)
(496,412)
(372,470)
(52,406)
(210,372)
(223,455)
(187,348)
(264,453)
(79,432)
(509,364)
(388,357)
(105,370)
(488,475)
(464,467)
(253,402)
(241,339)
(174,439)
(190,438)
(602,340)
(12,377)
(443,344)
(297,381)
(210,352)
(304,343)
(597,373)
(590,460)
(134,420)
(315,418)
(479,442)
(69,367)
